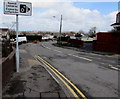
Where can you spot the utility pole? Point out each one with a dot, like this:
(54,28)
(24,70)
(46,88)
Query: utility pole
(60,26)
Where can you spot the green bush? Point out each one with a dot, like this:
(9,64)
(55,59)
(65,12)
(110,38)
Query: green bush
(78,35)
(62,43)
(6,48)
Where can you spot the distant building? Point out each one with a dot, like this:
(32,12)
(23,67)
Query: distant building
(117,24)
(4,33)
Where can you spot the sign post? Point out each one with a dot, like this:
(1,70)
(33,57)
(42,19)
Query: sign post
(17,8)
(17,47)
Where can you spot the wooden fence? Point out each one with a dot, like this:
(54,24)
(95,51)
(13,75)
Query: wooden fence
(8,67)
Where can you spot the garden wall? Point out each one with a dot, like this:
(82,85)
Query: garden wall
(8,67)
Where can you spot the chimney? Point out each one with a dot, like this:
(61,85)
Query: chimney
(118,18)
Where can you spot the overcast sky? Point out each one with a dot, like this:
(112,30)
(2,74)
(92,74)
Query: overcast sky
(77,15)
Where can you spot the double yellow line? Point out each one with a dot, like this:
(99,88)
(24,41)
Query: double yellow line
(62,77)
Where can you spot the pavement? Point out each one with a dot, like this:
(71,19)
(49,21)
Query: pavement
(32,80)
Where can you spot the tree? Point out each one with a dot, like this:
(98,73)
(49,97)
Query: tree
(78,35)
(12,32)
(81,32)
(92,32)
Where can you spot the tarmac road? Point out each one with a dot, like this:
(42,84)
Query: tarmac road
(96,75)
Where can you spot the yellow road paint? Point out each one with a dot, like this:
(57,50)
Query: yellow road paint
(81,94)
(71,90)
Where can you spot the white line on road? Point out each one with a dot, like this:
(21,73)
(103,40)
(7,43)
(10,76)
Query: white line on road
(51,49)
(80,57)
(92,57)
(46,47)
(111,66)
(68,54)
(103,63)
(57,51)
(115,68)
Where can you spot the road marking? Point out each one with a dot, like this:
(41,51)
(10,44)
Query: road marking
(57,51)
(71,90)
(69,54)
(51,49)
(111,66)
(80,57)
(56,71)
(103,63)
(48,48)
(48,71)
(115,68)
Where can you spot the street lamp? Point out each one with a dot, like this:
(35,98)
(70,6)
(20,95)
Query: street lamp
(60,26)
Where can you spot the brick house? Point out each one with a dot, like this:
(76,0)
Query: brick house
(109,41)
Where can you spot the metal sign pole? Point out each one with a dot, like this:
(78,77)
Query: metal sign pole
(17,48)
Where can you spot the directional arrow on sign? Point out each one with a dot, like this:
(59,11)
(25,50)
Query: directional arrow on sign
(28,9)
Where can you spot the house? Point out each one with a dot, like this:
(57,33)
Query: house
(117,24)
(109,41)
(4,33)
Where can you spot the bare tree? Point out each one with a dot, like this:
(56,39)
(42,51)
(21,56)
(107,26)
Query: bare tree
(92,32)
(81,32)
(12,32)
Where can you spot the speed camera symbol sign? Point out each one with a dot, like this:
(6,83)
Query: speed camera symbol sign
(18,8)
(24,8)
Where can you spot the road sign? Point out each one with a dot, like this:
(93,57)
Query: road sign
(17,8)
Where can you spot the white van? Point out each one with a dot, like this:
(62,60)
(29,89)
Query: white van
(22,39)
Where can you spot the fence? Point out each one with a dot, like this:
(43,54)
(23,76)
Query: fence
(105,46)
(8,67)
